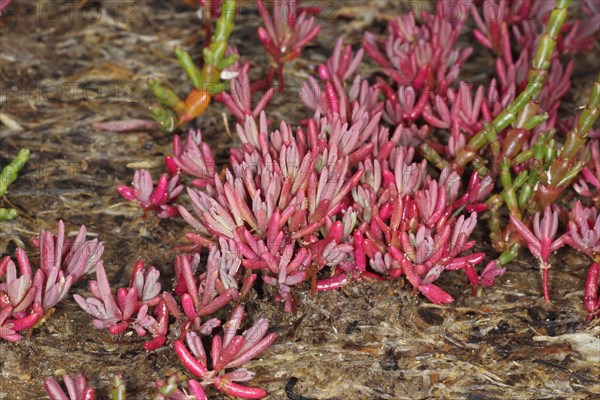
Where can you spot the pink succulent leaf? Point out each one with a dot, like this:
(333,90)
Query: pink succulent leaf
(197,390)
(77,389)
(147,285)
(227,351)
(463,227)
(411,52)
(195,159)
(239,375)
(54,390)
(237,390)
(283,39)
(435,294)
(118,312)
(341,63)
(450,180)
(531,241)
(491,272)
(408,177)
(189,361)
(584,230)
(150,198)
(19,290)
(248,353)
(128,125)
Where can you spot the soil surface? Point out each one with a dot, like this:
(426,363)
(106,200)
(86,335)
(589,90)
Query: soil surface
(67,65)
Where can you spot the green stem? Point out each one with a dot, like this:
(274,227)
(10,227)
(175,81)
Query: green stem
(509,188)
(508,254)
(205,80)
(118,390)
(565,166)
(536,79)
(494,204)
(10,172)
(215,54)
(433,157)
(7,214)
(166,96)
(577,137)
(541,62)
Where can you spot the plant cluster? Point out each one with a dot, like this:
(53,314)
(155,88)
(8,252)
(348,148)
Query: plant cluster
(385,179)
(27,298)
(228,351)
(145,309)
(351,193)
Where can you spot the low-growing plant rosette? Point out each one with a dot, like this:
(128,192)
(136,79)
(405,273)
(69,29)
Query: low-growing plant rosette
(227,352)
(352,192)
(27,297)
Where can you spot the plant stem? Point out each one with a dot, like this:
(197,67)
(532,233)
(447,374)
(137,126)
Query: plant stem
(10,172)
(565,166)
(7,214)
(536,79)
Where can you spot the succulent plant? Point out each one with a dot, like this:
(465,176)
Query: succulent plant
(228,351)
(350,193)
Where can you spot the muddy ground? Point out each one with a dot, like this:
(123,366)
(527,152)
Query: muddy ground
(66,65)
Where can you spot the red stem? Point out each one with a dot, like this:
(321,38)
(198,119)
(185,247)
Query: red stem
(545,269)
